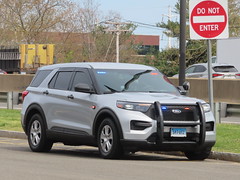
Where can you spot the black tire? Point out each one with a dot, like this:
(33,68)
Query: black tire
(198,155)
(37,139)
(108,140)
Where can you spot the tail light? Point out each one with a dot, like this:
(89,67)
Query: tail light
(216,75)
(24,94)
(237,74)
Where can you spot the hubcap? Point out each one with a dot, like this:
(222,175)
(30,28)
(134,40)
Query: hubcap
(35,133)
(106,138)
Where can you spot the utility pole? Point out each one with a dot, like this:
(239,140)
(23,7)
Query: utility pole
(118,31)
(182,51)
(169,16)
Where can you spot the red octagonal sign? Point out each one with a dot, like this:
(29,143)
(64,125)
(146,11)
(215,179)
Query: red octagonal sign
(208,20)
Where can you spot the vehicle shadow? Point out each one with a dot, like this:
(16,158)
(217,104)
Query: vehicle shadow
(91,152)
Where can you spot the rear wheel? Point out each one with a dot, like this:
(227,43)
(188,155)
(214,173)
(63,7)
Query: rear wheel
(198,155)
(37,139)
(108,140)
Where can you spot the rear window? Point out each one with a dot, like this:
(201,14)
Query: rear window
(224,69)
(39,77)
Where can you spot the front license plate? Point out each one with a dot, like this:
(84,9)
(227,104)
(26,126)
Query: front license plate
(178,132)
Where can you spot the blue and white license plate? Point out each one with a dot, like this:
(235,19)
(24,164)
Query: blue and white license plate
(178,132)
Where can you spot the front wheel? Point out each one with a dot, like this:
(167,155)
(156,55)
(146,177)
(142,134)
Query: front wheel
(198,155)
(108,140)
(37,139)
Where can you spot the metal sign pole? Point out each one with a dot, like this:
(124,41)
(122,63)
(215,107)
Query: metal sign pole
(182,49)
(210,81)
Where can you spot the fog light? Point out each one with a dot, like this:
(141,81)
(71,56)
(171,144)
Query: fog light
(139,125)
(209,126)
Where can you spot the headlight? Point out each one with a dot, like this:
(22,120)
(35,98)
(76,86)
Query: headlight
(206,107)
(143,107)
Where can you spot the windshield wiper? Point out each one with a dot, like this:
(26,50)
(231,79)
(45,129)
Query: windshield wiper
(134,78)
(111,89)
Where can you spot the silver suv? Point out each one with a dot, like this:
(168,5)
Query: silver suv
(116,107)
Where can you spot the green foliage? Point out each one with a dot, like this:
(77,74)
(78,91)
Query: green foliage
(166,61)
(69,57)
(173,28)
(234,18)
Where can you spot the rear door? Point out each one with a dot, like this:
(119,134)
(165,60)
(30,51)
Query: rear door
(56,105)
(69,111)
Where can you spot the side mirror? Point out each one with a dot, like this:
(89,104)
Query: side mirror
(184,88)
(81,87)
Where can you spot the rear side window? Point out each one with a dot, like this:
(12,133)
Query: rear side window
(61,80)
(40,76)
(200,68)
(190,69)
(225,69)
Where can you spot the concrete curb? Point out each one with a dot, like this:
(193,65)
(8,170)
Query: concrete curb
(234,157)
(13,134)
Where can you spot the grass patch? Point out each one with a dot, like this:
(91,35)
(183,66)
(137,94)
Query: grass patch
(10,120)
(228,138)
(228,135)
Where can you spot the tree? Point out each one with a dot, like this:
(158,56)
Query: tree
(166,61)
(28,18)
(77,30)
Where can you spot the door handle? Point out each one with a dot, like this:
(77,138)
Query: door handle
(46,92)
(70,96)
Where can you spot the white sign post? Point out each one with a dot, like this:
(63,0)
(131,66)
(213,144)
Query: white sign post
(208,20)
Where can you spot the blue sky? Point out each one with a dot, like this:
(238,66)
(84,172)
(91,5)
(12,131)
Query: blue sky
(144,11)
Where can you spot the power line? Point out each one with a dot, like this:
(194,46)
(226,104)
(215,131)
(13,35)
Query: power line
(160,29)
(144,24)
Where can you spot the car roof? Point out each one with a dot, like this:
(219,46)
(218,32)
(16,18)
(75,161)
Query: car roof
(213,64)
(99,65)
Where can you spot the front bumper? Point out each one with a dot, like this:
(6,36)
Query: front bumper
(199,134)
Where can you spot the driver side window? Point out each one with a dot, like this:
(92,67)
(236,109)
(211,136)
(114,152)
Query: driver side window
(81,77)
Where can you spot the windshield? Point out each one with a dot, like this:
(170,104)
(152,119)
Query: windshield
(117,80)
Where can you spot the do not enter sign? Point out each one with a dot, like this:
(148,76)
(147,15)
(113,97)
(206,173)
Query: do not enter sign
(208,19)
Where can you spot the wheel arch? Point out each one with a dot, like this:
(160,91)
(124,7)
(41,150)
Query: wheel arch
(31,110)
(101,115)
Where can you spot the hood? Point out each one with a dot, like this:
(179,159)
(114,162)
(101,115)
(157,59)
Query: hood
(163,98)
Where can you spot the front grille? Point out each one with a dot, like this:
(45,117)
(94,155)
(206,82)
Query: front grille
(180,113)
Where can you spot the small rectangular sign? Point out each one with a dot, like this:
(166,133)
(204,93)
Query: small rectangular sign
(178,132)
